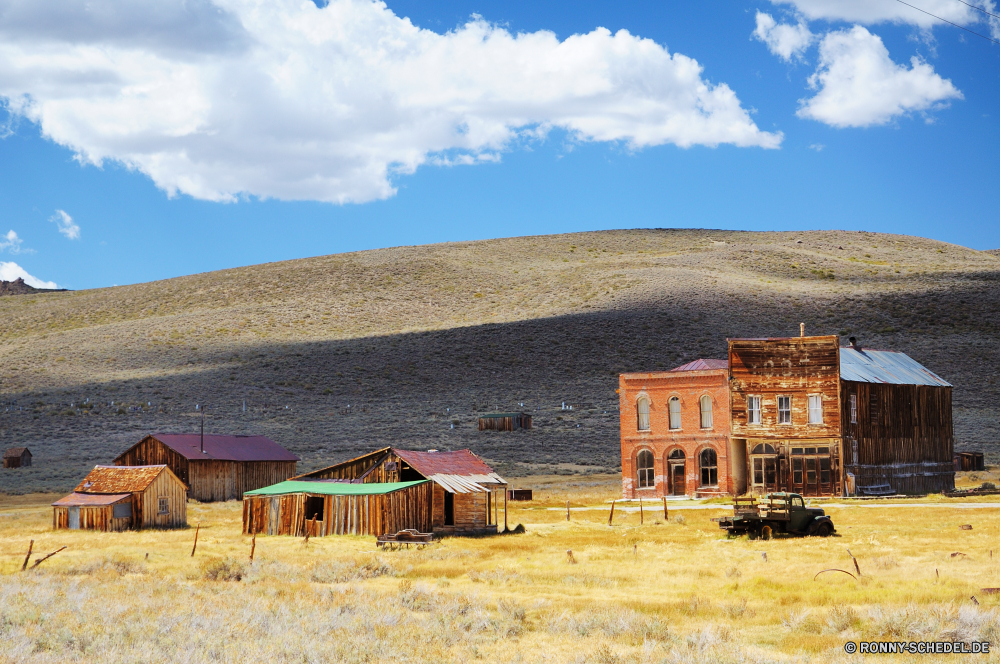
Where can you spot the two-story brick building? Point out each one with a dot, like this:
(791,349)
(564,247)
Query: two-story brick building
(675,431)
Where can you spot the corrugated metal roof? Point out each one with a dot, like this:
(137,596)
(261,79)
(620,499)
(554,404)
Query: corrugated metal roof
(331,488)
(225,448)
(459,471)
(90,499)
(885,366)
(119,479)
(703,365)
(15,452)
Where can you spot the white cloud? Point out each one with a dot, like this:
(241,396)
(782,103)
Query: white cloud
(13,271)
(66,225)
(218,98)
(818,147)
(859,85)
(870,12)
(12,243)
(782,39)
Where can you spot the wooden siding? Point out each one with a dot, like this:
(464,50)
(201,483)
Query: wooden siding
(213,480)
(92,518)
(373,514)
(151,452)
(438,507)
(22,461)
(506,423)
(795,367)
(381,467)
(166,486)
(903,437)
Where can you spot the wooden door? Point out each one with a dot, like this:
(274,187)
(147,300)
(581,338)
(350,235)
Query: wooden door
(678,481)
(765,474)
(74,518)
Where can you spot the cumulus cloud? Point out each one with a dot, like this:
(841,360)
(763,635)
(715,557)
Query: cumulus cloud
(784,40)
(66,225)
(12,243)
(859,85)
(13,271)
(870,12)
(222,98)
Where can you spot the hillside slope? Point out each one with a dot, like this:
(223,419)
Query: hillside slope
(340,354)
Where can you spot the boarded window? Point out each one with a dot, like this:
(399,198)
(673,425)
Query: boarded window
(753,410)
(706,412)
(709,468)
(644,468)
(675,413)
(642,407)
(815,409)
(164,507)
(123,510)
(873,410)
(854,408)
(784,410)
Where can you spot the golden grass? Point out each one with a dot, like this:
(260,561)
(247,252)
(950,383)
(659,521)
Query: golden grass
(675,592)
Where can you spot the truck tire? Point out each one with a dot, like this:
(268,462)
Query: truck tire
(823,529)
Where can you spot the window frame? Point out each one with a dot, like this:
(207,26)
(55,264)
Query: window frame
(811,410)
(713,470)
(642,399)
(645,475)
(753,399)
(853,401)
(670,414)
(163,505)
(782,411)
(701,412)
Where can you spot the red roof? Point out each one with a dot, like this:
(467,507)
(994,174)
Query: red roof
(225,448)
(90,499)
(703,365)
(459,462)
(119,479)
(15,452)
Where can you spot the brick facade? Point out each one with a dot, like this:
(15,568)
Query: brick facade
(673,475)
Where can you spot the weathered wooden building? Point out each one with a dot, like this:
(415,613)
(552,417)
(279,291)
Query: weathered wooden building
(322,507)
(17,457)
(810,417)
(504,421)
(116,498)
(215,467)
(465,491)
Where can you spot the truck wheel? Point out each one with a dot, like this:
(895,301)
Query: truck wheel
(823,530)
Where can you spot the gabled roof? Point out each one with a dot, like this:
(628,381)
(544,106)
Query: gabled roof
(90,499)
(120,479)
(885,366)
(327,488)
(460,471)
(703,365)
(14,452)
(224,448)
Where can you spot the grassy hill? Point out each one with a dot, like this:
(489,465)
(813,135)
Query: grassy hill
(337,355)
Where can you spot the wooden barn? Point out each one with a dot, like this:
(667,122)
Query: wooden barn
(504,421)
(116,498)
(17,457)
(323,508)
(215,467)
(465,496)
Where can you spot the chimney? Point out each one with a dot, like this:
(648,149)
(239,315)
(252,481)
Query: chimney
(854,343)
(802,329)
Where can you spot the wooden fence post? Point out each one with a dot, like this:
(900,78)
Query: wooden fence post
(567,510)
(505,509)
(31,545)
(640,512)
(42,560)
(253,544)
(196,530)
(666,516)
(612,515)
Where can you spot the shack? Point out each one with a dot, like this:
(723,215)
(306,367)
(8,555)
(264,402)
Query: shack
(504,421)
(465,496)
(322,507)
(17,457)
(215,467)
(116,498)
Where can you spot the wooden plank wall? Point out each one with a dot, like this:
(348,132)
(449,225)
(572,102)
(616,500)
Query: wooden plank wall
(352,470)
(166,486)
(511,423)
(91,518)
(151,452)
(904,436)
(213,480)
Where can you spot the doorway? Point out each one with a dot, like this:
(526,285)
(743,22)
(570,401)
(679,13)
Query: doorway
(677,469)
(764,469)
(812,471)
(74,518)
(449,508)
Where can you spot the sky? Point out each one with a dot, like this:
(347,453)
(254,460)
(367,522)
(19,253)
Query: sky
(148,139)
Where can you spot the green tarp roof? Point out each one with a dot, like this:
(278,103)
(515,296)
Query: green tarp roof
(331,488)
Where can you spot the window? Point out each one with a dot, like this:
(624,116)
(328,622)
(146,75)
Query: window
(784,410)
(797,472)
(815,409)
(122,510)
(642,407)
(854,408)
(706,412)
(753,410)
(797,502)
(824,470)
(709,468)
(164,507)
(873,410)
(675,413)
(644,469)
(314,507)
(763,448)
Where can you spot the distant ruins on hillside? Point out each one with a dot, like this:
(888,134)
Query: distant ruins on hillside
(18,287)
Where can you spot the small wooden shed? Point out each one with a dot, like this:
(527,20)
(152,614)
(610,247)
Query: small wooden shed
(17,457)
(323,508)
(116,498)
(215,467)
(504,421)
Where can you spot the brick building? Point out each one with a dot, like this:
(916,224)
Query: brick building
(675,431)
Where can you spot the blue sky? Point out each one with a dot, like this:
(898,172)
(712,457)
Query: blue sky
(142,144)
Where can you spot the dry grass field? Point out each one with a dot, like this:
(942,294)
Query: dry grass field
(337,355)
(664,591)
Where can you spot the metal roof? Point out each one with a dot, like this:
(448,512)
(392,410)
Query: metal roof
(460,471)
(90,499)
(15,452)
(703,365)
(885,366)
(225,448)
(331,488)
(119,479)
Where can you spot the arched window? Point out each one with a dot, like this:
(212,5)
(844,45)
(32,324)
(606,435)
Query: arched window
(676,454)
(644,469)
(675,413)
(763,448)
(706,412)
(642,408)
(709,468)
